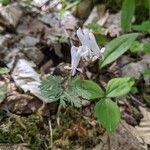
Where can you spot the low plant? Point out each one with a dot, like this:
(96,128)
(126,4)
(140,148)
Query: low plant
(71,89)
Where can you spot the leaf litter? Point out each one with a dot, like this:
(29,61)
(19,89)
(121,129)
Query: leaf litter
(38,37)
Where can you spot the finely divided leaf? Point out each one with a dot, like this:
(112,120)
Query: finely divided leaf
(72,98)
(108,114)
(118,87)
(51,88)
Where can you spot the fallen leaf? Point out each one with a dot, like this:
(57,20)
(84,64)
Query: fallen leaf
(10,15)
(27,78)
(144,127)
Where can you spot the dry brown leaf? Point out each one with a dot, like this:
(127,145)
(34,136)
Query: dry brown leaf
(97,14)
(124,138)
(27,78)
(144,127)
(10,15)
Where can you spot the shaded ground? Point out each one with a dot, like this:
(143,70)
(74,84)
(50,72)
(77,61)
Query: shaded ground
(41,41)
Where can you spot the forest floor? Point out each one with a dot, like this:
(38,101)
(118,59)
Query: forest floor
(35,42)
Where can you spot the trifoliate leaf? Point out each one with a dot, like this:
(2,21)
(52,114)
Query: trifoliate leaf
(91,90)
(119,86)
(108,114)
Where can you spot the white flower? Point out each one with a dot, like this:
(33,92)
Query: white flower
(89,50)
(88,41)
(75,58)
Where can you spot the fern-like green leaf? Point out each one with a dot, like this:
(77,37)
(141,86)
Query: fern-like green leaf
(78,89)
(72,98)
(51,88)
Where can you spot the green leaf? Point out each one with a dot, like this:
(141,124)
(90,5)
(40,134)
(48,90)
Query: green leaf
(4,70)
(2,93)
(128,8)
(71,98)
(144,27)
(95,27)
(51,88)
(108,114)
(136,47)
(147,73)
(147,48)
(5,2)
(134,90)
(117,47)
(118,87)
(100,39)
(147,4)
(91,87)
(82,92)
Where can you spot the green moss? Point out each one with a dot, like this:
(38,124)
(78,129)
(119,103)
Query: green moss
(74,131)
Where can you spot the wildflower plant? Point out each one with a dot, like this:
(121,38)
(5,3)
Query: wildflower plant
(71,88)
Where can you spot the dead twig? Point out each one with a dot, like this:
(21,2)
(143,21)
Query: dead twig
(50,132)
(40,111)
(58,115)
(109,143)
(136,100)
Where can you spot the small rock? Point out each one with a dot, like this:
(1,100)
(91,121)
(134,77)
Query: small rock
(10,54)
(4,40)
(29,41)
(68,21)
(146,59)
(45,68)
(113,25)
(10,15)
(97,14)
(1,29)
(124,60)
(83,9)
(23,27)
(50,19)
(57,49)
(39,3)
(34,54)
(136,69)
(133,69)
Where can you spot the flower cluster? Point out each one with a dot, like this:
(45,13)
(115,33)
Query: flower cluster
(88,50)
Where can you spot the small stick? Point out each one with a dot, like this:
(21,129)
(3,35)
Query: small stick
(58,115)
(109,143)
(50,132)
(136,100)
